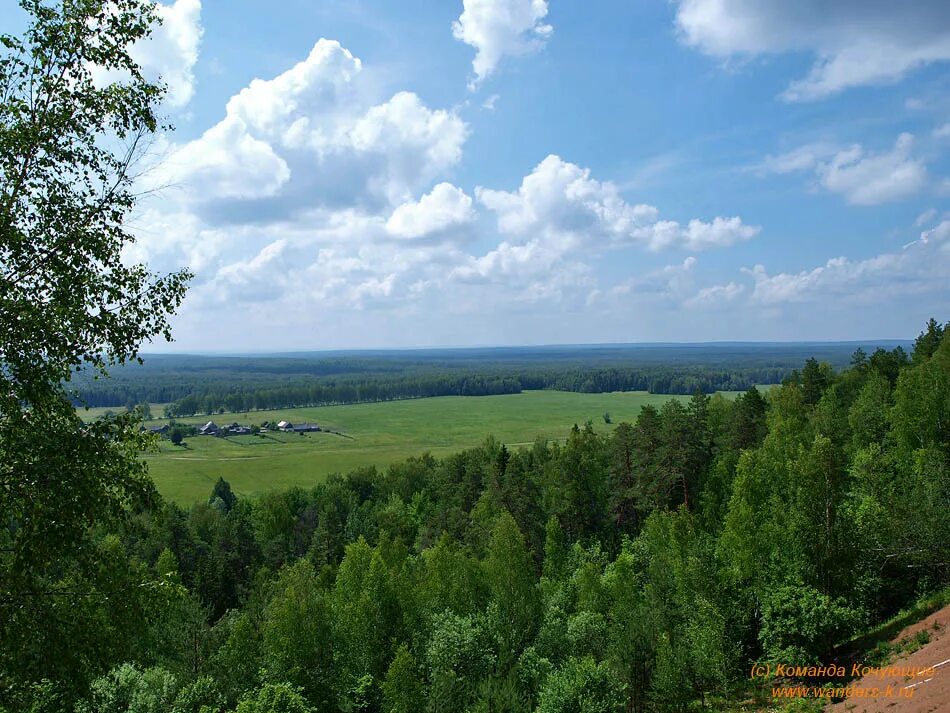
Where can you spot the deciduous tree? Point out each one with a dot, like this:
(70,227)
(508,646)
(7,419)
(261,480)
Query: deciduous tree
(68,301)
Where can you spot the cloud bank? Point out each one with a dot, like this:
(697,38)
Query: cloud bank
(854,42)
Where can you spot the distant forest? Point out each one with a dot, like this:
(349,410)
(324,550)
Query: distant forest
(209,384)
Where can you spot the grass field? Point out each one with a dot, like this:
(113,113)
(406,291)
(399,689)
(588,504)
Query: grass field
(376,434)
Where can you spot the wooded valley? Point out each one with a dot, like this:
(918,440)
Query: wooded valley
(645,570)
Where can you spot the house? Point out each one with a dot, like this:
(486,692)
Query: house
(288,427)
(236,429)
(305,428)
(158,429)
(209,429)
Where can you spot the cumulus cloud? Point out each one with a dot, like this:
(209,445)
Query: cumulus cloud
(339,261)
(920,267)
(863,178)
(499,28)
(168,239)
(560,201)
(226,162)
(419,143)
(314,191)
(443,207)
(525,272)
(172,51)
(721,232)
(311,189)
(312,133)
(560,216)
(854,42)
(307,105)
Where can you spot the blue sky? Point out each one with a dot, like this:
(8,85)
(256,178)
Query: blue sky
(358,173)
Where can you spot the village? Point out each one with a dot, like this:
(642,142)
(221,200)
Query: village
(236,429)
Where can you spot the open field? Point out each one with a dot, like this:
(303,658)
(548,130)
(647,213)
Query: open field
(376,434)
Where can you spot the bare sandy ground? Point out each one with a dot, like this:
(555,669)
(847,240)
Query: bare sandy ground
(929,693)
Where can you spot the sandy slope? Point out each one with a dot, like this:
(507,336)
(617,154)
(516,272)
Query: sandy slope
(930,693)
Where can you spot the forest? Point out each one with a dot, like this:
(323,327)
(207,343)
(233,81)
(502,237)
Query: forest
(645,570)
(192,385)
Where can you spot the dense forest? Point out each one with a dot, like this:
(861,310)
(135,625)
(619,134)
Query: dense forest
(640,570)
(201,384)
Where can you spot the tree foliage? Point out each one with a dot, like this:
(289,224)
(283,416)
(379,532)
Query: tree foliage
(68,302)
(642,568)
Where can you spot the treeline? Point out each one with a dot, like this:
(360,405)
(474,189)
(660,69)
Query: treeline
(216,399)
(213,399)
(641,570)
(199,384)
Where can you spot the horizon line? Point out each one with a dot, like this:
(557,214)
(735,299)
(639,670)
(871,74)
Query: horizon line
(553,345)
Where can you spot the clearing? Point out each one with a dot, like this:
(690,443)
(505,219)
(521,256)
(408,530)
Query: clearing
(376,434)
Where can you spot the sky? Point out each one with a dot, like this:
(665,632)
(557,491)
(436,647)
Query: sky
(406,173)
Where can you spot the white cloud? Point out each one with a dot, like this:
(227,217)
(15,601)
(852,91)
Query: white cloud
(803,158)
(307,105)
(314,200)
(169,240)
(942,131)
(841,284)
(499,28)
(508,261)
(525,272)
(863,178)
(920,267)
(226,162)
(721,232)
(172,51)
(561,202)
(715,296)
(312,134)
(445,206)
(673,287)
(295,197)
(869,179)
(169,54)
(559,217)
(855,42)
(419,143)
(341,261)
(672,281)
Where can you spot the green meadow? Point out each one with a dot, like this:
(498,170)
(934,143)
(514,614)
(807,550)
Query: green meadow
(375,434)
